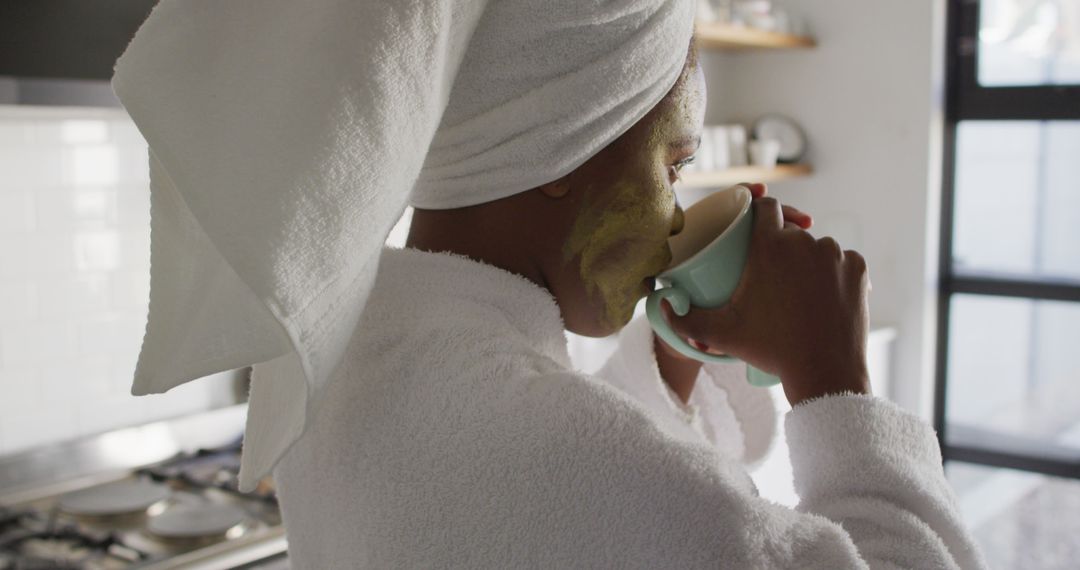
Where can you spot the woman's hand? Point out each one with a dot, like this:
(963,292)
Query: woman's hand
(793,217)
(800,311)
(680,371)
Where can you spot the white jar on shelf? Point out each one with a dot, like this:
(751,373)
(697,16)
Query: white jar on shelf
(764,152)
(721,10)
(737,151)
(721,147)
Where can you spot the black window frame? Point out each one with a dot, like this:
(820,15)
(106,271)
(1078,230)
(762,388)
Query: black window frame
(966,100)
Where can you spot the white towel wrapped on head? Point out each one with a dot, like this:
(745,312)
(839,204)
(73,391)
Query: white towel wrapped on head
(287,137)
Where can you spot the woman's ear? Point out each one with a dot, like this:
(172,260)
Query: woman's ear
(556,189)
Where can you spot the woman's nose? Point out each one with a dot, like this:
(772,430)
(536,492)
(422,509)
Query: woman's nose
(678,220)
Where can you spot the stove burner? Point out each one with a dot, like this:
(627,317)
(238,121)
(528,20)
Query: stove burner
(209,468)
(68,551)
(63,548)
(10,519)
(184,505)
(121,497)
(202,521)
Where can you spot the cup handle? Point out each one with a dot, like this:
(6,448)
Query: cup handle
(680,302)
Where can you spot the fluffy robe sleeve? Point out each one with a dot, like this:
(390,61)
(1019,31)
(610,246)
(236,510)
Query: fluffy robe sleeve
(869,475)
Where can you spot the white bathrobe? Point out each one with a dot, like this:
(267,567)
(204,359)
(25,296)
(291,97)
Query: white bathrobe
(456,434)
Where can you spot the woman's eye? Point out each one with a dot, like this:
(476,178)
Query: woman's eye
(678,166)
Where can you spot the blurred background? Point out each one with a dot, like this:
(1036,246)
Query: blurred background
(939,138)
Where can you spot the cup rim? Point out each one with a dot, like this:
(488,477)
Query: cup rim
(748,199)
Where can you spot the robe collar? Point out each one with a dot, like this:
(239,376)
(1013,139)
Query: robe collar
(453,278)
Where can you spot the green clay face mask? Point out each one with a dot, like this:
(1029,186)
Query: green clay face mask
(619,237)
(619,240)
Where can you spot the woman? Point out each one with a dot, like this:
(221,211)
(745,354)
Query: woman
(446,426)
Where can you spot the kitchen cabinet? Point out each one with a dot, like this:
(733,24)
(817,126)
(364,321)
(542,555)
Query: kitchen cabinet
(67,39)
(62,52)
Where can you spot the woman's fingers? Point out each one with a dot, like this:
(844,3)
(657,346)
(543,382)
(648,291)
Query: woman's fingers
(757,189)
(791,214)
(798,217)
(704,329)
(770,216)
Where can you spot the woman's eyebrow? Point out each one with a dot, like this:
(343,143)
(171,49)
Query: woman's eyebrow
(687,141)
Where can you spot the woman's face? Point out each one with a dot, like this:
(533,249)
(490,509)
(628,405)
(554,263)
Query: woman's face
(624,210)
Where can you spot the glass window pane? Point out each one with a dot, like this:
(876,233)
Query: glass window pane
(1018,199)
(1013,376)
(1029,42)
(1060,230)
(1020,520)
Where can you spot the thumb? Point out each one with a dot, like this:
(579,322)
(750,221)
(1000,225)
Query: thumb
(709,330)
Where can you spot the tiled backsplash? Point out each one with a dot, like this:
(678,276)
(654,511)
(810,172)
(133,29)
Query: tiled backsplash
(74,278)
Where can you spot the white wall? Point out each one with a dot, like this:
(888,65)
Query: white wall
(74,278)
(869,98)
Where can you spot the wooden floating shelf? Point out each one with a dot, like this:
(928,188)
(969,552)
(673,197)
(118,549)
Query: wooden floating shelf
(731,176)
(713,35)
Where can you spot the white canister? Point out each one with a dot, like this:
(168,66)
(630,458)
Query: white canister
(782,22)
(721,10)
(764,152)
(720,151)
(736,145)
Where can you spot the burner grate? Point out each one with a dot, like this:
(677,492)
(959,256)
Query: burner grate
(62,548)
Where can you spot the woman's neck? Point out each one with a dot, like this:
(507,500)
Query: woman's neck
(478,234)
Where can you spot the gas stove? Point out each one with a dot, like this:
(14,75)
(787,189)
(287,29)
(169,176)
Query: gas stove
(180,511)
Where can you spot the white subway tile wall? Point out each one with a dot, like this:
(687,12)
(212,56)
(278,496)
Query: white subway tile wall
(74,278)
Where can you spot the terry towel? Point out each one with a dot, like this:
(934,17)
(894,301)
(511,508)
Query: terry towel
(286,138)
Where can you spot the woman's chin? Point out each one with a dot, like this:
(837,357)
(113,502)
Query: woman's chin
(622,317)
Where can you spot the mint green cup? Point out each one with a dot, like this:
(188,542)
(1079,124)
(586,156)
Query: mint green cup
(706,268)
